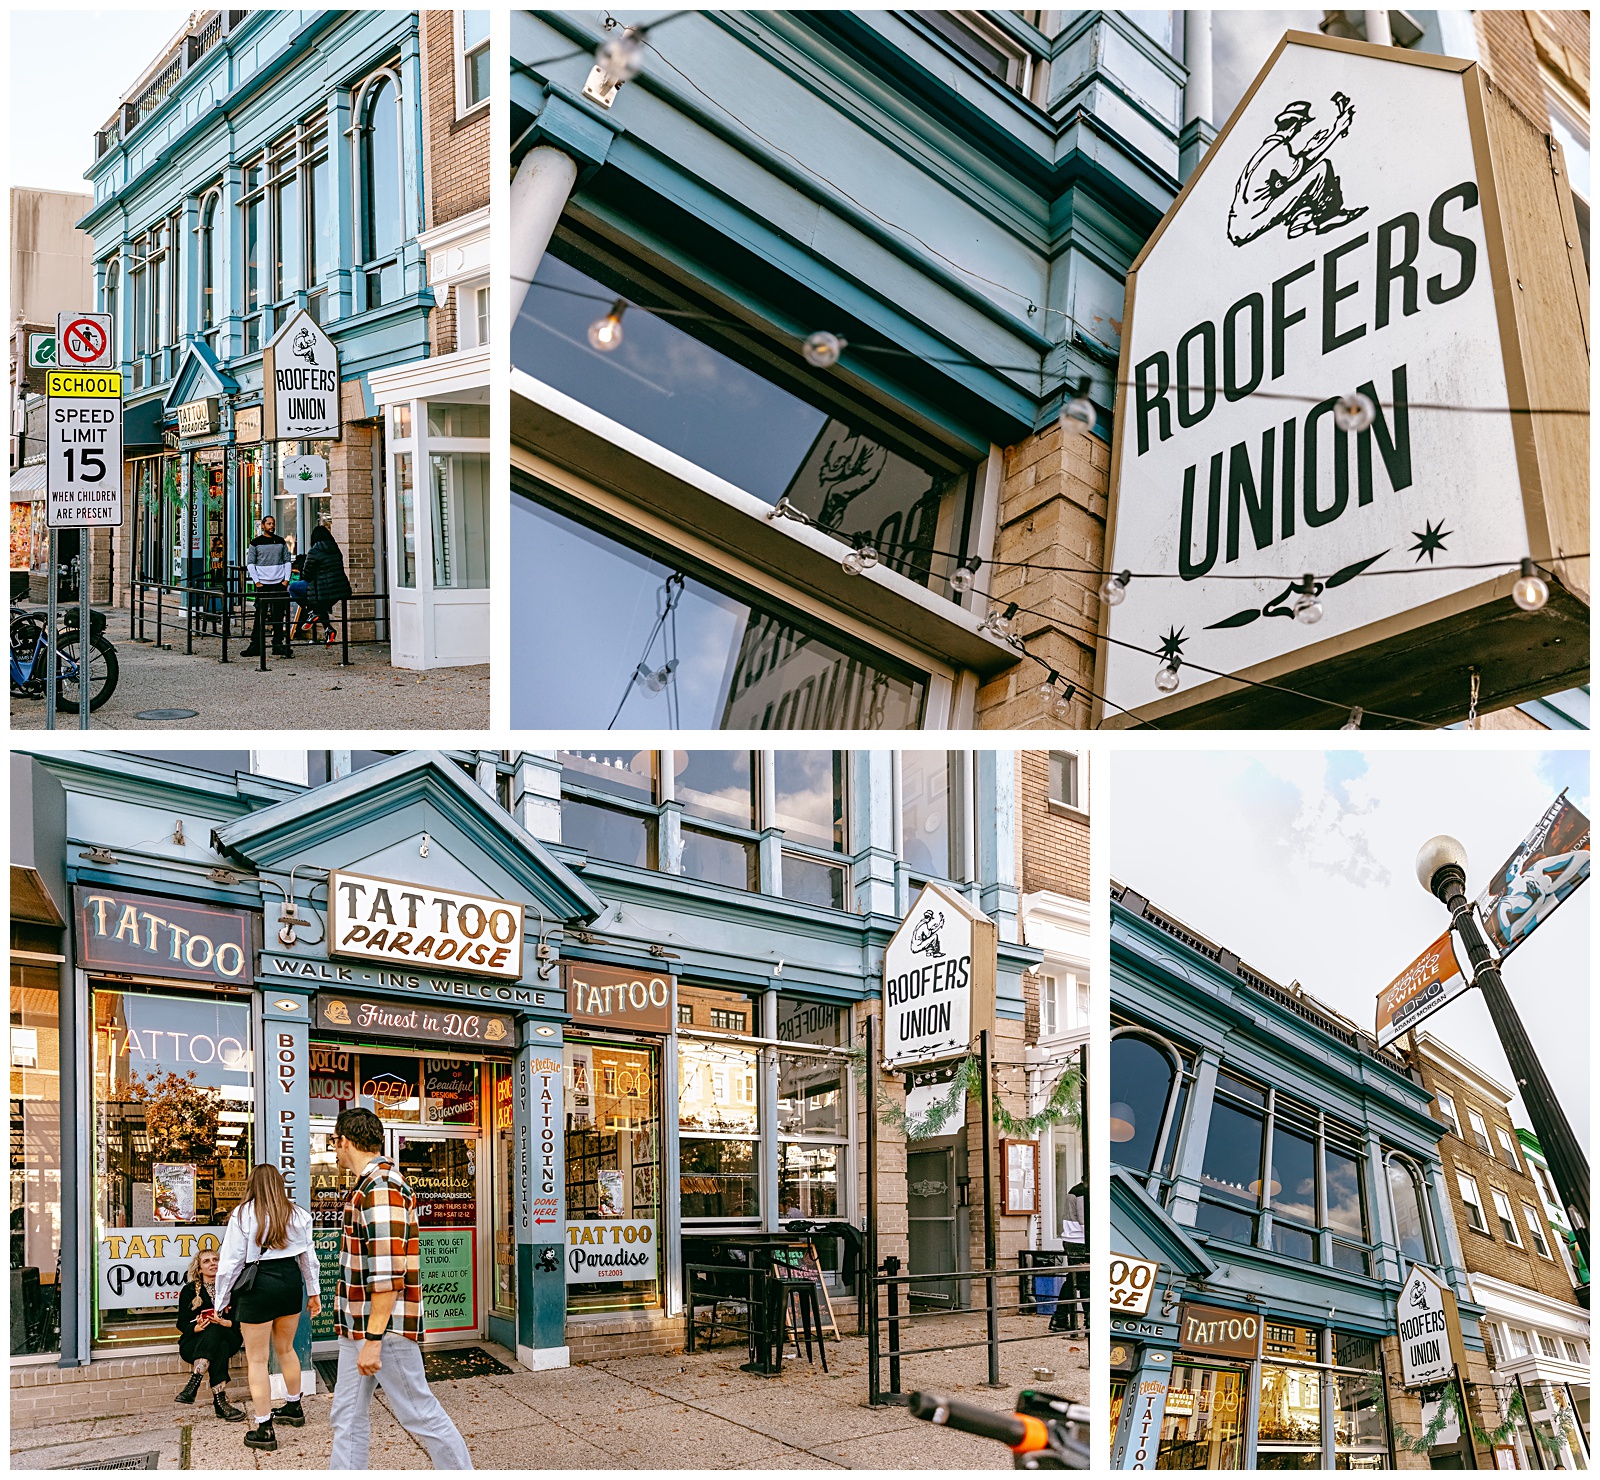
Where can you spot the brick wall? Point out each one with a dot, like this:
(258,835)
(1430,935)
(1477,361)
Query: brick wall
(625,1334)
(1054,843)
(48,1395)
(458,151)
(350,463)
(1519,47)
(1053,511)
(1490,1253)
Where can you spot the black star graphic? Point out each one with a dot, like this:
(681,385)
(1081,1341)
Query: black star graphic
(1172,645)
(1430,537)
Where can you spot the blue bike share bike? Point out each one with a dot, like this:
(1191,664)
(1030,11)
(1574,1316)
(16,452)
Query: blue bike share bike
(30,649)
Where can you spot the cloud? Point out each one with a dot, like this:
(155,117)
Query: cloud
(1317,824)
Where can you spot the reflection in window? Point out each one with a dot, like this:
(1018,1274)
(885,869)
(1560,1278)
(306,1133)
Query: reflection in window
(657,650)
(460,520)
(1291,1415)
(718,785)
(810,1095)
(405,508)
(809,787)
(808,1181)
(1202,1427)
(382,230)
(474,57)
(623,773)
(928,837)
(607,832)
(35,1159)
(1294,1176)
(808,880)
(1141,1081)
(1410,1212)
(1347,1204)
(1232,1166)
(740,424)
(715,859)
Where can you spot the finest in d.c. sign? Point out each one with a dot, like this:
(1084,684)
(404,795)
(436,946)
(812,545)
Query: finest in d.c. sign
(1343,235)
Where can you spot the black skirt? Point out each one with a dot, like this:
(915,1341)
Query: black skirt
(279,1290)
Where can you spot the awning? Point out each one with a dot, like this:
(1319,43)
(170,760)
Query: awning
(27,483)
(141,427)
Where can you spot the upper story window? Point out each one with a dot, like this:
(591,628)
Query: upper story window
(113,286)
(1480,1132)
(1472,1201)
(382,213)
(683,383)
(287,227)
(472,60)
(1508,1219)
(1508,1147)
(611,828)
(211,269)
(1535,1222)
(934,813)
(1069,779)
(1063,1003)
(1448,1107)
(1413,1225)
(995,52)
(718,786)
(809,805)
(1148,1093)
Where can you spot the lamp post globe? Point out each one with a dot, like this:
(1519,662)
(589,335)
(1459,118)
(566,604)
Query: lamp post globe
(1437,856)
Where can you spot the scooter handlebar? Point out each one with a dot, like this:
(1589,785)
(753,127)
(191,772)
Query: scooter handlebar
(1008,1428)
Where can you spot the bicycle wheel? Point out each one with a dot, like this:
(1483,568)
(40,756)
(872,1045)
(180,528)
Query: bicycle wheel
(102,672)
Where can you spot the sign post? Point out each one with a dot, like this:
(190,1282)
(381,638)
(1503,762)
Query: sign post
(83,476)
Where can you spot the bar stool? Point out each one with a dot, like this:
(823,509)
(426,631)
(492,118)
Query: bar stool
(802,1309)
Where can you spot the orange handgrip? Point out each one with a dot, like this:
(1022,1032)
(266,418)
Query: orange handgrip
(1037,1436)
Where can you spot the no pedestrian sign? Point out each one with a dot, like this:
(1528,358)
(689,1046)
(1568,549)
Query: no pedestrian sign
(84,449)
(83,341)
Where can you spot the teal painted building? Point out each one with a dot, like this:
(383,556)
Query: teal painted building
(669,1059)
(1282,1175)
(267,161)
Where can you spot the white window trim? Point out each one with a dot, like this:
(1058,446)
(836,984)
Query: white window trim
(1475,1200)
(1068,809)
(1448,1105)
(1507,1216)
(458,46)
(466,292)
(1541,1231)
(1508,1145)
(1480,1128)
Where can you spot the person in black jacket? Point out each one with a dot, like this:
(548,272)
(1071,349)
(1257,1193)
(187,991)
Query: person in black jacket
(326,582)
(207,1338)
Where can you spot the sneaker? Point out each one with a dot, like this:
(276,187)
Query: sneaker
(190,1388)
(283,652)
(333,637)
(261,1436)
(226,1411)
(250,652)
(292,1414)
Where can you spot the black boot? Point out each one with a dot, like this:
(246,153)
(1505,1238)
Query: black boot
(261,1436)
(226,1411)
(190,1388)
(292,1414)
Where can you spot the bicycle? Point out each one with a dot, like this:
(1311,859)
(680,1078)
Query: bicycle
(1045,1433)
(30,646)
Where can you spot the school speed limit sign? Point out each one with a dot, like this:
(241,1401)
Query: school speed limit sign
(1132,1283)
(84,444)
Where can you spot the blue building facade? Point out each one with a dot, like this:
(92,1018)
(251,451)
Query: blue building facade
(1283,1175)
(701,936)
(266,162)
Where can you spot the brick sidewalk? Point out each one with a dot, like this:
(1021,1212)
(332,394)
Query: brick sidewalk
(308,692)
(685,1412)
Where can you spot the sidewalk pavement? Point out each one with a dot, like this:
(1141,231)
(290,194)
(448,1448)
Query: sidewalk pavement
(307,692)
(685,1412)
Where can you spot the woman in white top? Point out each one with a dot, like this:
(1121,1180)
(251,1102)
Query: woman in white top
(268,1229)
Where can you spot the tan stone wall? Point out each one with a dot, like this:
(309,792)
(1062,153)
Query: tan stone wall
(1405,1406)
(458,151)
(640,1334)
(1054,844)
(1052,511)
(1489,1253)
(104,1389)
(350,471)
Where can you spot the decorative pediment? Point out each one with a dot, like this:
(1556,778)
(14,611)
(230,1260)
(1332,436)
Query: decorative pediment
(200,374)
(1140,1226)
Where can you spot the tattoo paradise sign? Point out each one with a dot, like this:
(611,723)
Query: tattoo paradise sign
(1343,235)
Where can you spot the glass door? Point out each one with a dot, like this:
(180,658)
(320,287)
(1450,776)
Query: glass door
(442,1170)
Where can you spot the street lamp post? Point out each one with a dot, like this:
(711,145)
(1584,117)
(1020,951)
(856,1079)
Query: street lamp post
(1442,871)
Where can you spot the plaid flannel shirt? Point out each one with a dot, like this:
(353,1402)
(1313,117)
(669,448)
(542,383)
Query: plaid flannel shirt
(379,1251)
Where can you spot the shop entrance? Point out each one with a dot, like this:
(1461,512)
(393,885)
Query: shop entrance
(931,1214)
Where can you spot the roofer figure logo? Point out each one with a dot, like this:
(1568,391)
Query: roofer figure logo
(925,935)
(1289,180)
(305,345)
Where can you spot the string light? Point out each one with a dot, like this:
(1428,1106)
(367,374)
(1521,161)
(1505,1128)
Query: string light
(961,578)
(655,679)
(1115,588)
(822,349)
(1057,700)
(1001,623)
(1354,413)
(1167,675)
(1354,722)
(1307,609)
(1530,592)
(862,558)
(1078,415)
(606,334)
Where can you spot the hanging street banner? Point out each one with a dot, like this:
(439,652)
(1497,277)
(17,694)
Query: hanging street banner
(1429,1328)
(938,979)
(300,376)
(1429,982)
(1547,867)
(83,449)
(1349,231)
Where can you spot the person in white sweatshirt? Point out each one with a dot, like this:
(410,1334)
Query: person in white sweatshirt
(269,562)
(269,1231)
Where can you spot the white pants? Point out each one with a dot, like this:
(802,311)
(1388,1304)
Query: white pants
(410,1400)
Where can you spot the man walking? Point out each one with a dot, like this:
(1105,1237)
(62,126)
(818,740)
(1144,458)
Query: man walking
(378,1310)
(269,563)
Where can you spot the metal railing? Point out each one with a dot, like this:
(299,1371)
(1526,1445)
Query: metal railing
(224,610)
(889,1322)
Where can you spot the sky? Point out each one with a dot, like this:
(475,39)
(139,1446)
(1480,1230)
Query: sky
(100,53)
(1303,863)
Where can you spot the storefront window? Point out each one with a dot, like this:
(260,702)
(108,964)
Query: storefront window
(1289,1435)
(1360,1416)
(719,1118)
(1141,1084)
(405,509)
(35,1159)
(613,1159)
(460,520)
(813,1100)
(390,1084)
(502,1100)
(1202,1427)
(173,1114)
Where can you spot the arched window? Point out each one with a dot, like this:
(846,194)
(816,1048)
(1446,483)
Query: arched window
(210,262)
(1413,1227)
(1142,1077)
(113,285)
(382,218)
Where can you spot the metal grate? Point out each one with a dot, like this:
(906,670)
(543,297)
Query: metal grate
(149,1461)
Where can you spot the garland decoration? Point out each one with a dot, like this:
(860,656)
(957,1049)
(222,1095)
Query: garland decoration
(933,1120)
(1514,1411)
(1448,1404)
(1063,1107)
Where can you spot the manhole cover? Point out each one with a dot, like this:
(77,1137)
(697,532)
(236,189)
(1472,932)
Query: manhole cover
(168,713)
(150,1461)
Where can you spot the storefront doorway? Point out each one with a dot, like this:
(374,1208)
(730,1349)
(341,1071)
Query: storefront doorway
(931,1214)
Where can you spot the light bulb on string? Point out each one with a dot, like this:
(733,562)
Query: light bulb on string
(654,679)
(1530,592)
(606,334)
(822,349)
(1167,675)
(1115,587)
(860,559)
(1354,413)
(1307,609)
(1078,414)
(961,578)
(617,59)
(1001,623)
(1057,700)
(1354,722)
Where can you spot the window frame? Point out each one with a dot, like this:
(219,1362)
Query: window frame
(959,801)
(1413,1172)
(1078,804)
(1537,1227)
(1473,1204)
(1507,1217)
(1480,1132)
(1447,1104)
(464,57)
(1508,1145)
(369,262)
